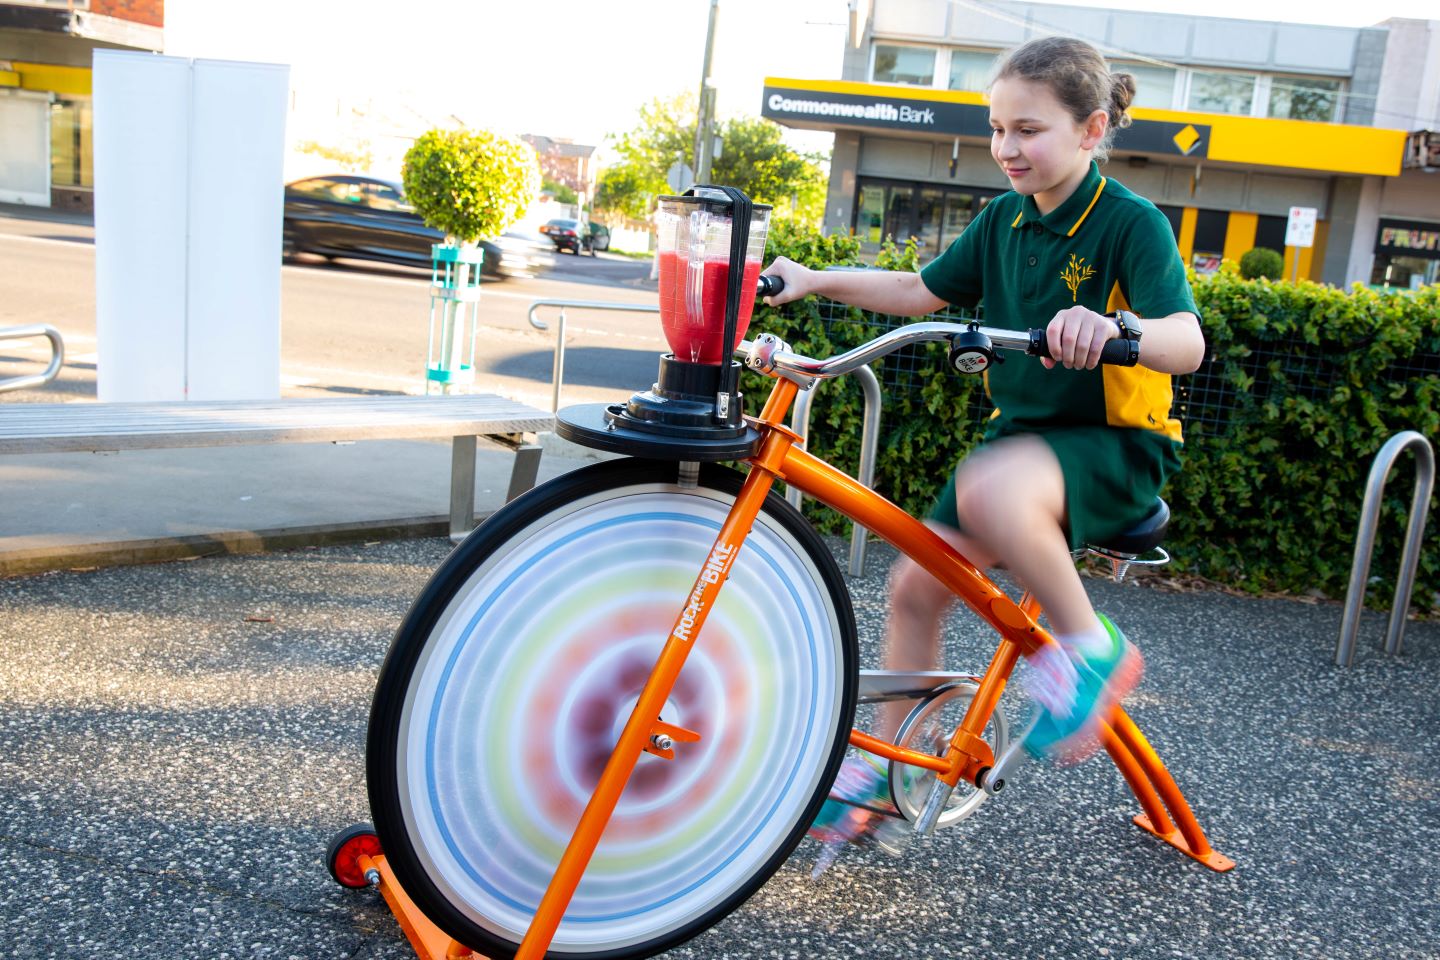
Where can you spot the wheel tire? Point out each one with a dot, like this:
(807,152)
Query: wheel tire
(343,855)
(502,694)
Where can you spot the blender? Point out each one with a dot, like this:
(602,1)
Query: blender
(711,242)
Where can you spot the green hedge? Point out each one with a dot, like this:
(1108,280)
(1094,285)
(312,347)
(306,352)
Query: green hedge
(1303,385)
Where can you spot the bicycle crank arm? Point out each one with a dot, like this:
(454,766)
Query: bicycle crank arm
(934,806)
(992,781)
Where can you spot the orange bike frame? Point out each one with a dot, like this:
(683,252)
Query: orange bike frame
(780,457)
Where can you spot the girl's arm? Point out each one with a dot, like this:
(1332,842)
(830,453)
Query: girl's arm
(1172,344)
(883,291)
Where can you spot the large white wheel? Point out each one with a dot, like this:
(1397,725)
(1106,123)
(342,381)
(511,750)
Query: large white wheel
(510,680)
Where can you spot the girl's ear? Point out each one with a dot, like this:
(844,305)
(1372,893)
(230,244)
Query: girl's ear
(1095,126)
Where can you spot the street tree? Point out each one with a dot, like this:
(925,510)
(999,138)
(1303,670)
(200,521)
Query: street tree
(470,184)
(754,157)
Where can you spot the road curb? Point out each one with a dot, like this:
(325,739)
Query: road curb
(87,556)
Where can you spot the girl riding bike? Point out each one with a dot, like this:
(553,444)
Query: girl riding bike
(1086,449)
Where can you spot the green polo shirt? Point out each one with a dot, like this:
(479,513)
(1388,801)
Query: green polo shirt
(1104,248)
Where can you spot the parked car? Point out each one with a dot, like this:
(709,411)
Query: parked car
(572,236)
(368,218)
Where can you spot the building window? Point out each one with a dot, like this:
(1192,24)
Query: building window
(72,162)
(971,69)
(933,215)
(1154,86)
(1304,98)
(1222,92)
(912,65)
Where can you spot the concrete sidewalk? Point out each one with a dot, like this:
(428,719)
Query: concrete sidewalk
(67,510)
(178,743)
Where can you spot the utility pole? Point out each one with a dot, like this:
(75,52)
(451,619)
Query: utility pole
(705,121)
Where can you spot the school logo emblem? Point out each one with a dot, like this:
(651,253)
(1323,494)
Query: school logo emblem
(1076,272)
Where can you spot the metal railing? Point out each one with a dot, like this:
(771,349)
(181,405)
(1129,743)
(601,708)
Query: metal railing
(869,439)
(57,355)
(1365,542)
(558,370)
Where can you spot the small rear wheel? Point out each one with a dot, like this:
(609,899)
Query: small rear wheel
(342,858)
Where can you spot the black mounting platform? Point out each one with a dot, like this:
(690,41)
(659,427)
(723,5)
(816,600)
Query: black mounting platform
(604,426)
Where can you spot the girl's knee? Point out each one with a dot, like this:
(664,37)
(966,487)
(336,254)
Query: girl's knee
(914,591)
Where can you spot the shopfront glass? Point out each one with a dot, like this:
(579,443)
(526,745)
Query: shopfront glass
(1304,98)
(912,65)
(970,69)
(1154,86)
(1222,92)
(72,163)
(933,215)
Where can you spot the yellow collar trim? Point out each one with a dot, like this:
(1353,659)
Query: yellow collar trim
(1098,190)
(1016,222)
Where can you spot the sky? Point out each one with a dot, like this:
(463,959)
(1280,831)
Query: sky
(581,69)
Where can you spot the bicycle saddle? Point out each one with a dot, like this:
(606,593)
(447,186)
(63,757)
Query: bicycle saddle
(1144,536)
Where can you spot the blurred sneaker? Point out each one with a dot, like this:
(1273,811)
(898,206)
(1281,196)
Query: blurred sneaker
(1105,675)
(859,811)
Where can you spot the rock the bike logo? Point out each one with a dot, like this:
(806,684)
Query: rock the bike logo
(716,566)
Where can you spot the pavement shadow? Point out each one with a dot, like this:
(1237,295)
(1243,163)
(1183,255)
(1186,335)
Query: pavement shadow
(584,366)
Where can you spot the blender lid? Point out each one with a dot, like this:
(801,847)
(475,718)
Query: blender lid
(712,196)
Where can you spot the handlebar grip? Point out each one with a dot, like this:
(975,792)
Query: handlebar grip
(1118,352)
(769,286)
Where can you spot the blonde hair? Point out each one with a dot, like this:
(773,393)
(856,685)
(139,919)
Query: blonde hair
(1080,79)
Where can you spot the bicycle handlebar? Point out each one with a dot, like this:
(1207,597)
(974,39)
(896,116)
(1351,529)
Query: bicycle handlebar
(972,349)
(769,286)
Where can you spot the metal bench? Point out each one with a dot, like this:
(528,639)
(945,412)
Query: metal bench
(106,427)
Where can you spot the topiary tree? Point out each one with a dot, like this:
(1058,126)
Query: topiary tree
(1262,262)
(470,184)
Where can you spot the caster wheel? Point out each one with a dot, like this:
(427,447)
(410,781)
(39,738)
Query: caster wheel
(343,857)
(927,729)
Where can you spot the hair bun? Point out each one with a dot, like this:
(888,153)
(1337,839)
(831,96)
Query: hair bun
(1122,94)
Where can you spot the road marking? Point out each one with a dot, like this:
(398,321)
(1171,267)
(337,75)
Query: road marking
(78,242)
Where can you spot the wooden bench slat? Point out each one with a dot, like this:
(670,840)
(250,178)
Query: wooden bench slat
(63,427)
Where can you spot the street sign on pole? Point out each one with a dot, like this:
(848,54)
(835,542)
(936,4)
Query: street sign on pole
(1300,232)
(680,177)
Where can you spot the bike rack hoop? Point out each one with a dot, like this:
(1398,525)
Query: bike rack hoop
(57,355)
(1365,542)
(558,371)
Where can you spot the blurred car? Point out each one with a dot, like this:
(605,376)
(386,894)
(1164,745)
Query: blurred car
(368,218)
(571,235)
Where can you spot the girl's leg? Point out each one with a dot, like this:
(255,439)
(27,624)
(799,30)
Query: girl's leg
(1010,497)
(918,605)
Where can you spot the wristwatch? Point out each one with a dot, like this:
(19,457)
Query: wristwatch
(1128,323)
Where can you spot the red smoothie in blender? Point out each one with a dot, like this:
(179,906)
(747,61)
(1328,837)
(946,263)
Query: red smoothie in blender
(697,339)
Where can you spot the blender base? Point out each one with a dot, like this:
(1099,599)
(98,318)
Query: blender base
(602,426)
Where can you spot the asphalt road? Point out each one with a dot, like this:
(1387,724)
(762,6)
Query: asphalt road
(178,743)
(354,327)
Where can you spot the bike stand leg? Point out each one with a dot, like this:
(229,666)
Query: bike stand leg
(428,940)
(1166,814)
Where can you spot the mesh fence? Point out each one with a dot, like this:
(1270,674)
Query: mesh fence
(1205,399)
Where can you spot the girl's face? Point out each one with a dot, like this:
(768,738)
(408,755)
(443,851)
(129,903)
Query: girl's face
(1041,148)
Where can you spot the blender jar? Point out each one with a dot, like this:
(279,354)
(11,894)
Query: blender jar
(694,261)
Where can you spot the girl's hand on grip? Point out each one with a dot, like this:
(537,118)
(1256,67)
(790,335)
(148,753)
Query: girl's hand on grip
(798,281)
(1076,336)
